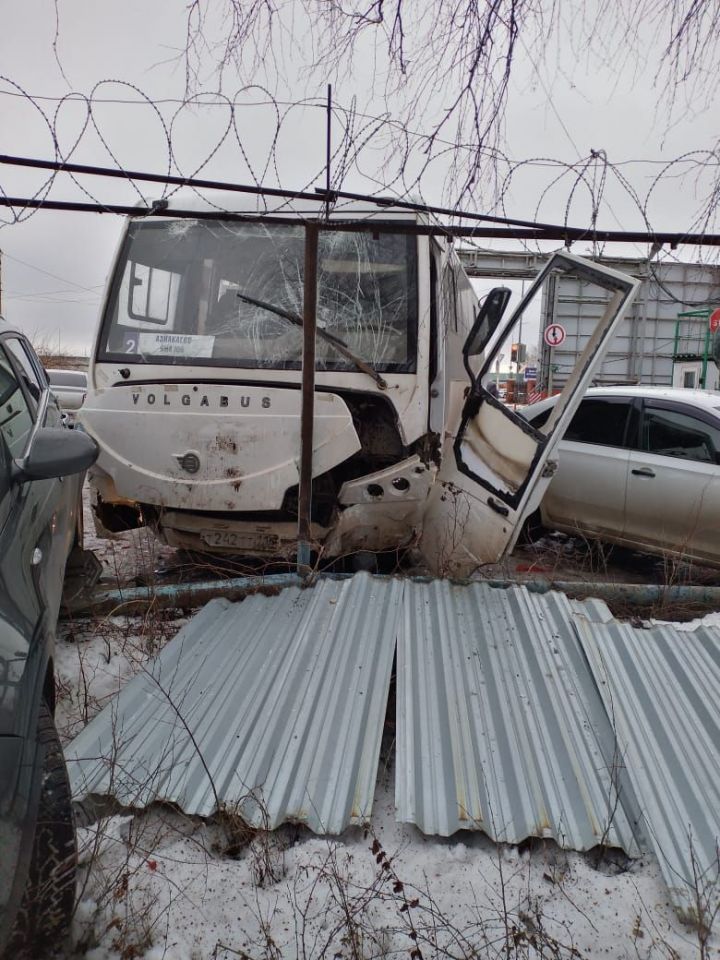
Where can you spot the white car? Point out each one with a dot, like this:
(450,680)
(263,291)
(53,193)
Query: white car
(69,388)
(639,467)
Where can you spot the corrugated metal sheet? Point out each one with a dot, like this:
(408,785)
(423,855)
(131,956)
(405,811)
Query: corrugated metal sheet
(661,687)
(273,707)
(500,727)
(517,713)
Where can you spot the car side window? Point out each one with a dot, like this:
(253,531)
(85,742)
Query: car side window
(541,418)
(31,378)
(16,417)
(674,433)
(601,420)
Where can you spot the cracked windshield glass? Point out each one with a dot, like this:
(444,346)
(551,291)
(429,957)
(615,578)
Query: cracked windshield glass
(231,294)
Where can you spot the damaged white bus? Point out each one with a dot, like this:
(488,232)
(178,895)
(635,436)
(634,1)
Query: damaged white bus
(194,393)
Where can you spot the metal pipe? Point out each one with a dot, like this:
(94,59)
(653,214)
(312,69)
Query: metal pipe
(564,234)
(328,150)
(643,594)
(307,410)
(136,600)
(63,166)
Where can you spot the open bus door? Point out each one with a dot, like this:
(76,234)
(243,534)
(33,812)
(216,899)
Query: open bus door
(495,466)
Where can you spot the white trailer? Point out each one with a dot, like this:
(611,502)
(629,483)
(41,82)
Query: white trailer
(195,388)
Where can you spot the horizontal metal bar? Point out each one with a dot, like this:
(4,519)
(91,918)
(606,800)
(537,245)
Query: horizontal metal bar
(62,166)
(643,593)
(136,600)
(329,196)
(564,234)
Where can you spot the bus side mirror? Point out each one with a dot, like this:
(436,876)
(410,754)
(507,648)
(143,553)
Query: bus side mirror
(486,323)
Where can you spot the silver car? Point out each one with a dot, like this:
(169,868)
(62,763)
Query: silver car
(639,467)
(69,387)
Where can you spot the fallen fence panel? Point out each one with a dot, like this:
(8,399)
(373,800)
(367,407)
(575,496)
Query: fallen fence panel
(661,688)
(500,726)
(273,709)
(519,714)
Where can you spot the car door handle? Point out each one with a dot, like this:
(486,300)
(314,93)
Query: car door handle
(497,507)
(644,472)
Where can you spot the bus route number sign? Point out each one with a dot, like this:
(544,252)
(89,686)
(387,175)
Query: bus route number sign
(554,335)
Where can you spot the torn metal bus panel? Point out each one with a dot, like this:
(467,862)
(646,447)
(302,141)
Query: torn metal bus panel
(500,727)
(495,467)
(660,687)
(272,708)
(195,396)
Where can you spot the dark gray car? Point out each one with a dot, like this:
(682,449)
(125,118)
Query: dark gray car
(41,470)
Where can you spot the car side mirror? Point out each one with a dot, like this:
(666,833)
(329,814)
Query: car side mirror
(486,323)
(55,453)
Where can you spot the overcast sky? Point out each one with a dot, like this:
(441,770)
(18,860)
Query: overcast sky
(54,265)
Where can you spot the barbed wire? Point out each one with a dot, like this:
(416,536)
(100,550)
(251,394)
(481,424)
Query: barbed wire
(485,225)
(321,104)
(354,141)
(377,151)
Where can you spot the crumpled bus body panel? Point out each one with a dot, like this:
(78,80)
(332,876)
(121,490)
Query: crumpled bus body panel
(495,466)
(212,447)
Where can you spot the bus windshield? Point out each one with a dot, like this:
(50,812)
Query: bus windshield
(214,293)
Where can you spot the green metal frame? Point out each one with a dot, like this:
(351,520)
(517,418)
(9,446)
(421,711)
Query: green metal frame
(698,314)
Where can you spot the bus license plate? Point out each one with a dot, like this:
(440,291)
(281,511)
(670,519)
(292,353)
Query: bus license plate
(240,540)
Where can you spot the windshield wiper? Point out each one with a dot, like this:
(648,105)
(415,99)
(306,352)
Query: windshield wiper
(339,345)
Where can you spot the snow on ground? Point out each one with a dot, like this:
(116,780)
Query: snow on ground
(94,658)
(157,885)
(162,886)
(709,620)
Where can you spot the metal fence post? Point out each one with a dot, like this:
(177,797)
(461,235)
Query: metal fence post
(307,410)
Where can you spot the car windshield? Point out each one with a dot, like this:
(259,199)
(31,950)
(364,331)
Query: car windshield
(214,293)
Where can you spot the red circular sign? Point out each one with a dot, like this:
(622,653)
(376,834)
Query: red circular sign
(554,335)
(715,320)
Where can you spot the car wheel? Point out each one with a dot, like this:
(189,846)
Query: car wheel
(44,916)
